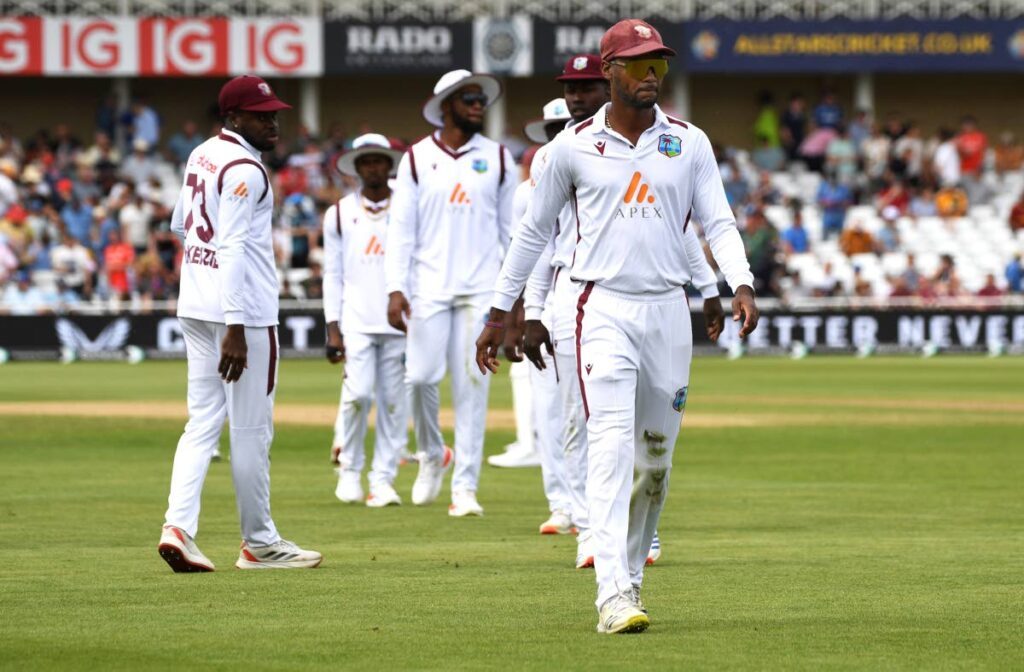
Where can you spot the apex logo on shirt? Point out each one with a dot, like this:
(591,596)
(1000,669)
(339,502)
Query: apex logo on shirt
(241,190)
(459,195)
(640,199)
(374,247)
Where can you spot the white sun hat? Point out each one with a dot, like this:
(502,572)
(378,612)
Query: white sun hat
(451,82)
(371,143)
(555,111)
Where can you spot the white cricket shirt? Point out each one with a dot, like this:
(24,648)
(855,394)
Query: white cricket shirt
(632,207)
(224,215)
(451,218)
(355,236)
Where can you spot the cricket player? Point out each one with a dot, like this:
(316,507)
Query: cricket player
(636,178)
(586,91)
(227,307)
(450,224)
(358,333)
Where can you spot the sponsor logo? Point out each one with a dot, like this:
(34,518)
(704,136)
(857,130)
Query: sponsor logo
(241,190)
(374,247)
(600,147)
(638,190)
(704,46)
(480,165)
(644,32)
(571,40)
(588,367)
(183,46)
(640,201)
(679,403)
(1016,44)
(459,195)
(113,337)
(399,40)
(670,145)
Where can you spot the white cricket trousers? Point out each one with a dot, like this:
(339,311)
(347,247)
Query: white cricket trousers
(442,337)
(374,371)
(248,405)
(547,416)
(634,353)
(573,433)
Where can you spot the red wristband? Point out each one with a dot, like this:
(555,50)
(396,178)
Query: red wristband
(494,325)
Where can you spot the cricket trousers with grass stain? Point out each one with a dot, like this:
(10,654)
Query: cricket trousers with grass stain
(633,363)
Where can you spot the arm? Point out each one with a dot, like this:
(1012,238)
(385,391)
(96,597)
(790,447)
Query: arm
(712,210)
(233,227)
(506,198)
(402,227)
(539,283)
(178,217)
(701,275)
(334,284)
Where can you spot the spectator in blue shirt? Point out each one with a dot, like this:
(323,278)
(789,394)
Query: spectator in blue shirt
(145,123)
(77,218)
(183,142)
(828,113)
(834,198)
(795,237)
(1015,274)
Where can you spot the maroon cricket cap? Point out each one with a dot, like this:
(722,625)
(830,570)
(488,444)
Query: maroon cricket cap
(582,67)
(631,38)
(250,93)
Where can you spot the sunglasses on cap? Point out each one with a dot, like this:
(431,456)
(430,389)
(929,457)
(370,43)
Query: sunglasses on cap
(638,69)
(470,98)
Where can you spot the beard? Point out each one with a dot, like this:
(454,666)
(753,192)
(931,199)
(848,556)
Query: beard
(465,125)
(632,100)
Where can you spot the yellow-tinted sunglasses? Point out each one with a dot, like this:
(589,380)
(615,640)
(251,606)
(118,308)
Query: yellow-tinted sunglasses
(638,69)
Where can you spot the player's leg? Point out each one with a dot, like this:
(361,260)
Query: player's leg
(469,396)
(251,417)
(356,399)
(607,370)
(664,375)
(196,447)
(426,349)
(392,416)
(548,423)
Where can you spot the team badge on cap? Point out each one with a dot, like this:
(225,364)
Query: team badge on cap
(579,63)
(643,31)
(264,88)
(670,145)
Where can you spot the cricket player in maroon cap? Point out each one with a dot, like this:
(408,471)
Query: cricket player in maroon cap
(227,307)
(636,179)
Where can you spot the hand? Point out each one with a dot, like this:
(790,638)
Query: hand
(398,311)
(335,344)
(534,336)
(714,318)
(233,354)
(744,306)
(514,324)
(489,341)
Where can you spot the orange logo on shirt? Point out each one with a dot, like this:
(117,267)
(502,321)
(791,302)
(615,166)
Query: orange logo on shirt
(241,190)
(374,247)
(641,195)
(459,195)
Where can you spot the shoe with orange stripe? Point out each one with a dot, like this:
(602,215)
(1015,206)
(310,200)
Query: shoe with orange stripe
(584,556)
(282,555)
(558,523)
(427,485)
(179,551)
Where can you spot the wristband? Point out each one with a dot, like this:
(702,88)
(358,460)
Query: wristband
(494,325)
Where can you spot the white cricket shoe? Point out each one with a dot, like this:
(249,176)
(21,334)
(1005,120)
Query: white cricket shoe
(636,599)
(427,485)
(180,551)
(655,552)
(350,489)
(515,457)
(405,457)
(620,614)
(282,555)
(464,504)
(381,496)
(558,523)
(584,555)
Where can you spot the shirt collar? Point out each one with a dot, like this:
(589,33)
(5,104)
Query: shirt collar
(474,143)
(231,136)
(600,125)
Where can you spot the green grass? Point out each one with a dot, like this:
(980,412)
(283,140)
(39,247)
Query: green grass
(853,544)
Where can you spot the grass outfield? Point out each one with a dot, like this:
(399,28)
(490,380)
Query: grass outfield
(824,513)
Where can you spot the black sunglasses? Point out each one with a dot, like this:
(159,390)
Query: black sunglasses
(469,99)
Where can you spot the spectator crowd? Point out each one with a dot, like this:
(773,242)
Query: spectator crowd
(820,194)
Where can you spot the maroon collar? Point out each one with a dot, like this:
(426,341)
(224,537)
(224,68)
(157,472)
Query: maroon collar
(448,150)
(227,138)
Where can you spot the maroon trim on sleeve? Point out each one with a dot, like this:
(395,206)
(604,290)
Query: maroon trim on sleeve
(677,122)
(501,163)
(579,336)
(272,371)
(412,166)
(337,216)
(583,124)
(236,162)
(687,222)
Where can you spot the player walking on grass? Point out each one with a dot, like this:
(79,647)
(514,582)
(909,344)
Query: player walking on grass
(227,307)
(450,224)
(586,91)
(358,333)
(635,178)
